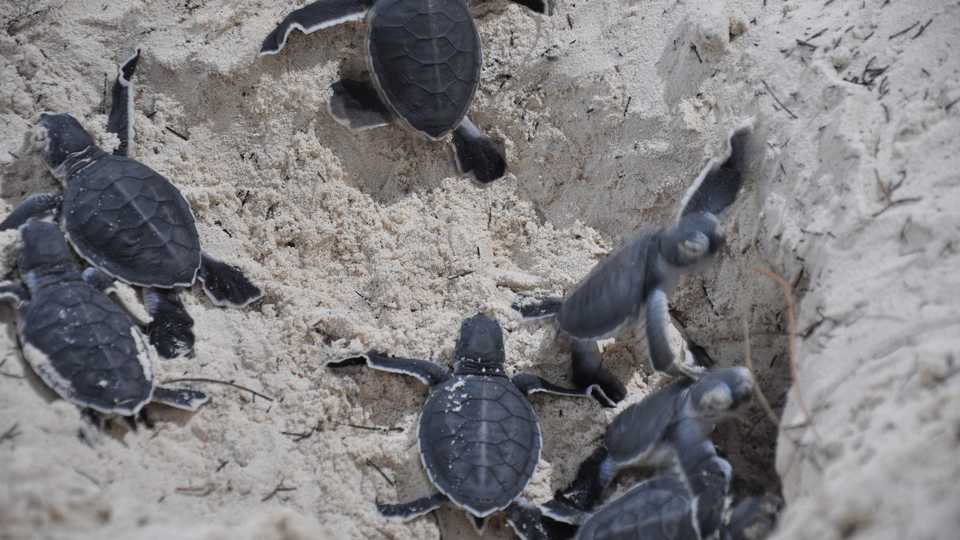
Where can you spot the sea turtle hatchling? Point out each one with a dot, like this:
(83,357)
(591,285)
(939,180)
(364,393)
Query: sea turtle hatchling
(630,286)
(689,497)
(670,427)
(128,221)
(479,437)
(78,341)
(424,57)
(665,507)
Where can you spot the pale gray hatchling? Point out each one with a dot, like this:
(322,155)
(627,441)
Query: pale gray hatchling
(630,286)
(688,499)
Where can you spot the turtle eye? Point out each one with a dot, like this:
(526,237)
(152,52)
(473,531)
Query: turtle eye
(694,247)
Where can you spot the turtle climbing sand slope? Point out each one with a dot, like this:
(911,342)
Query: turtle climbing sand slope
(631,285)
(425,59)
(77,340)
(129,221)
(478,435)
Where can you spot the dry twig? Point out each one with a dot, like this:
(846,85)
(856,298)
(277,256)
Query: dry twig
(791,344)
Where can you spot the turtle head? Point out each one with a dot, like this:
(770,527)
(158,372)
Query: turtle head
(59,136)
(696,238)
(480,346)
(44,249)
(722,392)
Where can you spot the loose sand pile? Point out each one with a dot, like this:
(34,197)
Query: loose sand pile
(369,240)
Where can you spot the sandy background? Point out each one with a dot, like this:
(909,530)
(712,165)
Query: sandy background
(607,111)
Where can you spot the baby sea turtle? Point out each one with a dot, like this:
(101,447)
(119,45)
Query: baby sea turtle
(424,57)
(79,342)
(669,427)
(631,285)
(129,221)
(665,507)
(479,437)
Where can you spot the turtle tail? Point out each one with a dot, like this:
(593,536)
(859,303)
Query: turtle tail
(477,153)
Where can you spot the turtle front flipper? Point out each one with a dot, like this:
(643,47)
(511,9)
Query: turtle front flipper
(477,153)
(119,291)
(662,355)
(120,120)
(180,398)
(572,503)
(532,384)
(13,292)
(356,105)
(525,520)
(717,186)
(589,374)
(707,474)
(37,205)
(171,331)
(225,284)
(311,18)
(412,509)
(427,372)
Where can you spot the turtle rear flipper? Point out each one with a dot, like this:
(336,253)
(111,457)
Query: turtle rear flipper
(412,509)
(356,105)
(36,205)
(225,284)
(180,398)
(477,153)
(120,120)
(311,18)
(171,331)
(589,374)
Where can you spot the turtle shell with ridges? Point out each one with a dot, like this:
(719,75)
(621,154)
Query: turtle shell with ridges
(131,222)
(480,441)
(84,346)
(425,60)
(657,509)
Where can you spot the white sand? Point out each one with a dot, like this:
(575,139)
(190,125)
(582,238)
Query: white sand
(359,239)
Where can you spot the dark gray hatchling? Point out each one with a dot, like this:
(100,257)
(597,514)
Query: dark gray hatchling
(130,222)
(79,342)
(479,437)
(631,285)
(669,429)
(424,57)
